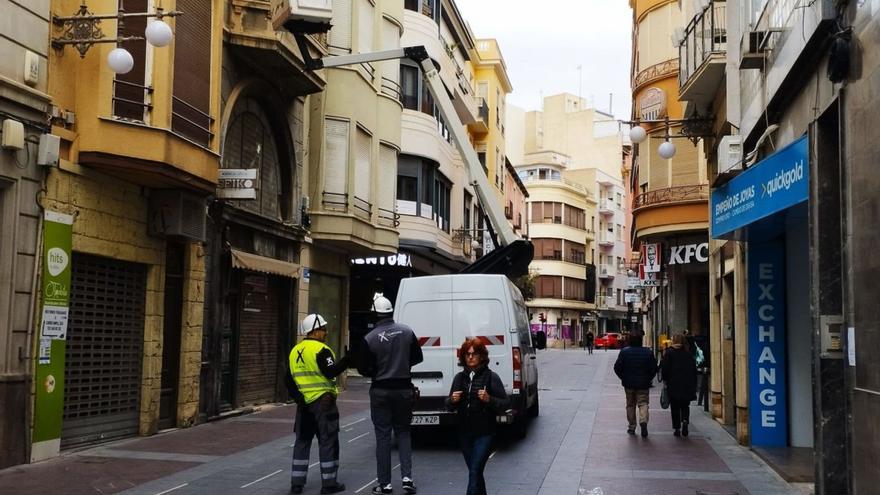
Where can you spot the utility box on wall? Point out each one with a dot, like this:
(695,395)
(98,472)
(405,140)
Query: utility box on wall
(177,214)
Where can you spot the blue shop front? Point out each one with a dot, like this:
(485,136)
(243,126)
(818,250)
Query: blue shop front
(766,207)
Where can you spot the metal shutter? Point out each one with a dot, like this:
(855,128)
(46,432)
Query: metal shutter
(390,68)
(340,34)
(190,109)
(363,165)
(365,26)
(129,90)
(258,340)
(336,165)
(387,177)
(105,341)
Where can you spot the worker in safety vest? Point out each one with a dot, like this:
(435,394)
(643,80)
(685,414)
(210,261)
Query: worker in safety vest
(314,369)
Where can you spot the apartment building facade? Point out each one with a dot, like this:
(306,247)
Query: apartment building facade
(24,110)
(591,143)
(670,203)
(560,219)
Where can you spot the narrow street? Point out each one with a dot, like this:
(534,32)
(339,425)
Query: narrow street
(577,445)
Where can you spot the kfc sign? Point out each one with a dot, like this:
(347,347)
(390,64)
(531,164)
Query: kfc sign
(683,255)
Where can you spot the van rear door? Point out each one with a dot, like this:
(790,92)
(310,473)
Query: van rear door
(426,308)
(480,311)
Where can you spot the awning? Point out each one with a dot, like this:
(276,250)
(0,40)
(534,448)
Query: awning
(257,263)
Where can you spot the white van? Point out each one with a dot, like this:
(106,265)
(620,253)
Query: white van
(444,310)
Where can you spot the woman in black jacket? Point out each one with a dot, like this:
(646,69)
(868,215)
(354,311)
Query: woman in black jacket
(679,371)
(477,396)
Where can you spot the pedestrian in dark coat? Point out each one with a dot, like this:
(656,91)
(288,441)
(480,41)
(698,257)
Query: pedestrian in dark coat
(477,396)
(679,372)
(636,367)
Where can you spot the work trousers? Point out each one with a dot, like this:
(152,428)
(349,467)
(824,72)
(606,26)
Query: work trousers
(391,410)
(321,419)
(681,412)
(636,397)
(476,450)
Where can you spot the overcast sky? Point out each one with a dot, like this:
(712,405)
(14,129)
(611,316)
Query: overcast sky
(543,42)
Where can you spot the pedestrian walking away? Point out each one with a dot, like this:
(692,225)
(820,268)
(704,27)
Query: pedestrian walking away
(679,371)
(591,340)
(636,367)
(390,350)
(313,367)
(477,396)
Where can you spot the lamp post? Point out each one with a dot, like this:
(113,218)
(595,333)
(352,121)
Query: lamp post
(693,128)
(83,29)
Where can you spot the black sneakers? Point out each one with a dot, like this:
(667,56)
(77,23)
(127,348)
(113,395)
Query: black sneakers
(644,429)
(684,428)
(380,490)
(408,485)
(335,488)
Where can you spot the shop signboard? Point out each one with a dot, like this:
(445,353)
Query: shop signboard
(772,185)
(237,183)
(768,411)
(651,258)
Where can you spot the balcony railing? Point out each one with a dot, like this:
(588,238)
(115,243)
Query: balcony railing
(572,184)
(706,35)
(672,195)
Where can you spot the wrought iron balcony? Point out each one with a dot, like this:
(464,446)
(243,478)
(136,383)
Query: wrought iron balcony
(703,54)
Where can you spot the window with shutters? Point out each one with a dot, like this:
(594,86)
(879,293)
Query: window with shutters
(365,26)
(387,178)
(409,86)
(363,172)
(549,286)
(190,108)
(442,197)
(574,289)
(335,193)
(390,68)
(658,167)
(250,144)
(340,34)
(130,90)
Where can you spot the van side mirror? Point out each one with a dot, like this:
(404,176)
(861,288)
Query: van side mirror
(540,340)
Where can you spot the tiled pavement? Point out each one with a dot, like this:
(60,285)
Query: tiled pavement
(577,446)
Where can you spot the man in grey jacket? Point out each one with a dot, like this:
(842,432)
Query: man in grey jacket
(388,353)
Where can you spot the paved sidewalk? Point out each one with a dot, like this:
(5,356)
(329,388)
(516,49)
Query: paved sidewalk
(118,466)
(708,462)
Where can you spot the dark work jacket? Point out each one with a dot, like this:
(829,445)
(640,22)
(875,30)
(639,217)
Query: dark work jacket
(476,417)
(388,353)
(635,366)
(679,371)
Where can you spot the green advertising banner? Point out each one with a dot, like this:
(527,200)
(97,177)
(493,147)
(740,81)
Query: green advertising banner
(57,242)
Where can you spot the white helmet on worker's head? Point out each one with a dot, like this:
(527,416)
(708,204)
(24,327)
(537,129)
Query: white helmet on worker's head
(381,304)
(313,322)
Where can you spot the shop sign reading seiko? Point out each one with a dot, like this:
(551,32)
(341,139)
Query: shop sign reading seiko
(237,183)
(683,255)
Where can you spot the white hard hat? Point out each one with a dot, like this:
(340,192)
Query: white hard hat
(312,322)
(381,304)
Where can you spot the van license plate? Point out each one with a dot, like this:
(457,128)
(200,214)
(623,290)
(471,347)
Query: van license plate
(425,420)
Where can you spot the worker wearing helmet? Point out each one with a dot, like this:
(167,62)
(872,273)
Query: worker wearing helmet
(388,353)
(314,369)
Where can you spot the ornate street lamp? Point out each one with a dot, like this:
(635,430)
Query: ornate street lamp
(83,29)
(693,128)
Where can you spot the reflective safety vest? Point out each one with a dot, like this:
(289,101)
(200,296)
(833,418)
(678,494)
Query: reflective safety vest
(304,368)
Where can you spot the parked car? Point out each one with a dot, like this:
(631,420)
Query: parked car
(610,340)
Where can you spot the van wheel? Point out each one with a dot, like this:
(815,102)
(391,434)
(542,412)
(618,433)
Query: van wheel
(534,410)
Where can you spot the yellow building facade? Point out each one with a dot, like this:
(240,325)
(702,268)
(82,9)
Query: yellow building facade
(134,148)
(670,204)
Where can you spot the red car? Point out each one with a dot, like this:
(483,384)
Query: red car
(609,340)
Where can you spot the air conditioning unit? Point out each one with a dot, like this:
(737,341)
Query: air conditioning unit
(177,214)
(730,154)
(753,50)
(304,16)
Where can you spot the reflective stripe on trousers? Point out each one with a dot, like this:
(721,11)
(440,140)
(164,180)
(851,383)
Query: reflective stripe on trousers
(321,419)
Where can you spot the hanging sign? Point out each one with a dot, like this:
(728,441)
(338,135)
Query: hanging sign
(651,258)
(237,183)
